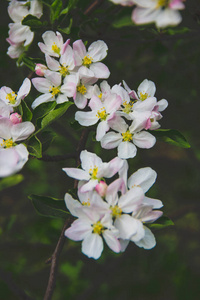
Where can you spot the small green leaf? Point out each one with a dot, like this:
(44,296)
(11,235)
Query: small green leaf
(49,207)
(122,22)
(171,136)
(161,223)
(47,138)
(10,181)
(28,62)
(42,110)
(26,112)
(33,22)
(56,8)
(71,4)
(35,146)
(55,114)
(66,30)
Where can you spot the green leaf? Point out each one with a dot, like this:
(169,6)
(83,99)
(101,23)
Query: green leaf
(47,138)
(171,136)
(71,4)
(26,112)
(28,62)
(56,8)
(10,181)
(122,22)
(55,114)
(173,31)
(50,207)
(66,30)
(42,110)
(161,223)
(35,146)
(33,22)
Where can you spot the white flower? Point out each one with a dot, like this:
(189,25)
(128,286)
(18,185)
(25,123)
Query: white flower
(14,99)
(18,10)
(93,170)
(91,59)
(5,110)
(162,12)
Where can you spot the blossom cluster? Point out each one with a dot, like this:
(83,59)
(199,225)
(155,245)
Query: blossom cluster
(13,156)
(72,72)
(20,36)
(162,12)
(116,212)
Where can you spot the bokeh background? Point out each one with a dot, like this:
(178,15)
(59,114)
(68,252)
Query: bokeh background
(172,269)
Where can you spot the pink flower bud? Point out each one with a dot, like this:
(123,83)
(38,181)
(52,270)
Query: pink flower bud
(40,69)
(16,118)
(101,188)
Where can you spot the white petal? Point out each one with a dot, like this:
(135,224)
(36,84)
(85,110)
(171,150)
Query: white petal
(127,150)
(22,131)
(100,70)
(76,173)
(98,50)
(78,230)
(144,177)
(86,118)
(130,201)
(72,204)
(148,242)
(111,140)
(111,240)
(92,246)
(126,225)
(144,140)
(102,128)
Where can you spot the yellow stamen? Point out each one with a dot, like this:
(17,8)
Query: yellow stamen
(86,203)
(81,89)
(54,90)
(98,227)
(87,60)
(100,96)
(11,97)
(55,49)
(64,70)
(127,107)
(93,172)
(127,136)
(143,96)
(101,114)
(7,143)
(163,3)
(116,211)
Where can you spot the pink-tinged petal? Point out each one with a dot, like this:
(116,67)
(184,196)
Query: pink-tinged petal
(72,204)
(144,16)
(95,103)
(67,58)
(130,201)
(117,123)
(148,124)
(52,63)
(97,50)
(40,69)
(79,52)
(55,78)
(127,150)
(102,128)
(36,9)
(139,120)
(80,101)
(123,173)
(5,128)
(126,225)
(111,140)
(41,84)
(78,230)
(147,87)
(5,109)
(140,233)
(3,93)
(113,167)
(42,99)
(86,118)
(89,186)
(113,189)
(100,70)
(89,160)
(154,203)
(176,4)
(76,173)
(92,246)
(146,105)
(131,93)
(69,89)
(24,89)
(64,47)
(144,177)
(112,103)
(101,188)
(144,139)
(111,240)
(148,242)
(22,131)
(8,161)
(152,216)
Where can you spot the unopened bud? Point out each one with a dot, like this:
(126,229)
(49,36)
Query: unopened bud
(40,69)
(15,118)
(101,188)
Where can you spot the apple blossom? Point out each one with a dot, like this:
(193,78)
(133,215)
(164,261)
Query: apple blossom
(16,118)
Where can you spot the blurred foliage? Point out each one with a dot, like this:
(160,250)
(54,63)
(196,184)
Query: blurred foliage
(171,59)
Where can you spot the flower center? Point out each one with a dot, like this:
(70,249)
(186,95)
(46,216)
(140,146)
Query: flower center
(116,211)
(87,60)
(7,143)
(163,3)
(143,96)
(81,89)
(100,96)
(127,136)
(86,203)
(98,227)
(11,97)
(64,70)
(55,49)
(93,172)
(54,90)
(101,114)
(127,107)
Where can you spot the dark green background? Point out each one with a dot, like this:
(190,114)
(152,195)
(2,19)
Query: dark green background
(172,269)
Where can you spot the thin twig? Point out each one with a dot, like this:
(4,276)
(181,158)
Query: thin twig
(92,6)
(7,278)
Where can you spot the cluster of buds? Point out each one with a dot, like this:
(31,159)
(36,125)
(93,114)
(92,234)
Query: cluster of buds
(20,36)
(13,156)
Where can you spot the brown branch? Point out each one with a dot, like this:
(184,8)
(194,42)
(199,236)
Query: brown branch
(92,6)
(55,257)
(7,278)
